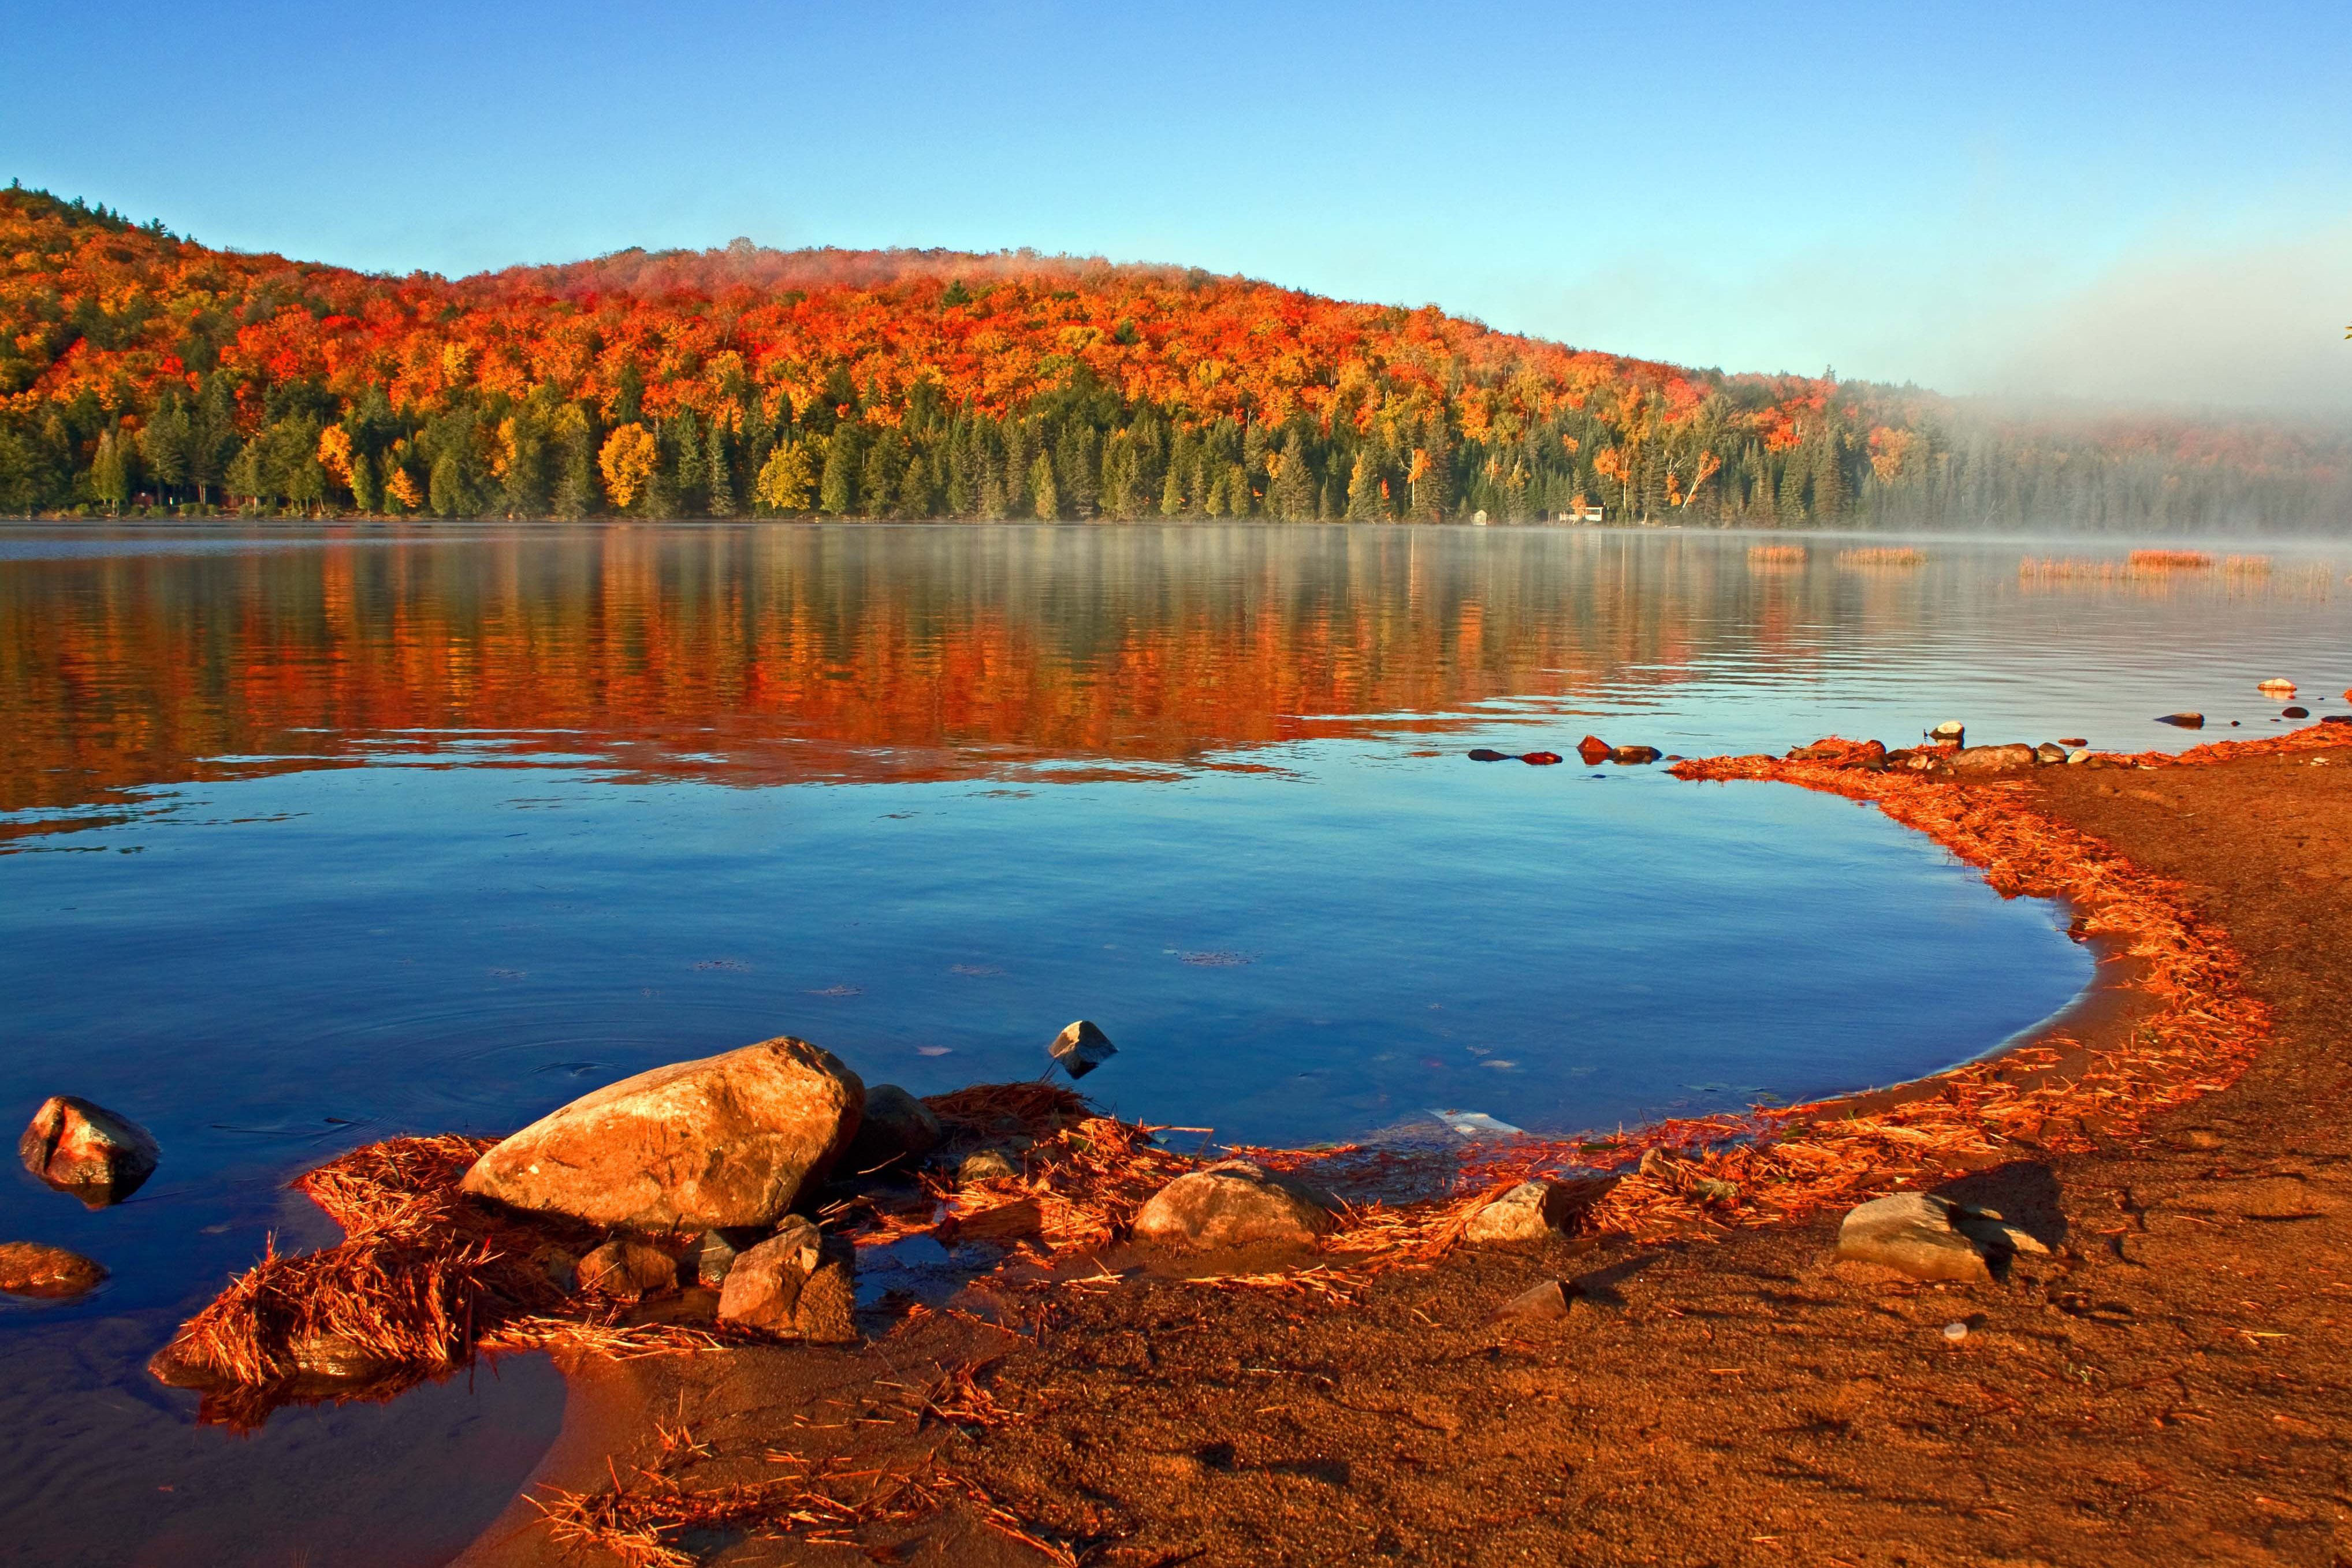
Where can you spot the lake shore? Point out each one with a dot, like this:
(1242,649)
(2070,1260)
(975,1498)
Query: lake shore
(2164,1386)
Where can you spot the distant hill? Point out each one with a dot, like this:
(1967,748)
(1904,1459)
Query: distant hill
(139,369)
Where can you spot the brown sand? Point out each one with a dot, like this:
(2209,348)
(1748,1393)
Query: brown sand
(2171,1387)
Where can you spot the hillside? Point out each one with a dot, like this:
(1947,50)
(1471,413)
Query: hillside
(141,370)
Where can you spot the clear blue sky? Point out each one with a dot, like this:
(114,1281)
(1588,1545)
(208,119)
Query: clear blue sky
(2141,201)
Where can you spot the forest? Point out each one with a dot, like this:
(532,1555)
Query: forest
(144,374)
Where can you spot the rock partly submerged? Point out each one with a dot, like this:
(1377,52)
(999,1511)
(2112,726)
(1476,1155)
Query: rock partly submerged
(1081,1047)
(87,1150)
(1236,1203)
(733,1140)
(49,1273)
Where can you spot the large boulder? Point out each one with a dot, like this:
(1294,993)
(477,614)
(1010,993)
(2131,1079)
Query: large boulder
(795,1284)
(898,1130)
(1535,1210)
(1236,1203)
(29,1269)
(1914,1233)
(736,1139)
(86,1150)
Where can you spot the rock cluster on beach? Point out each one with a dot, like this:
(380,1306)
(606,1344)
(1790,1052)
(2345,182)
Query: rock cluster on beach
(1931,1238)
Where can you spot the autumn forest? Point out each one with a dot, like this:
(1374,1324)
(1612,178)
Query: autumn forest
(141,373)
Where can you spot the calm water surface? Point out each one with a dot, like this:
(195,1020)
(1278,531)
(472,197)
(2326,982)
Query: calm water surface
(310,836)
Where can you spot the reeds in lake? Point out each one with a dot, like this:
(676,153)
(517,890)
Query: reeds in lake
(1882,555)
(1777,555)
(2171,561)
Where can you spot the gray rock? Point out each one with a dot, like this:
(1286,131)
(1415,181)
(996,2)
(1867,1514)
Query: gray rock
(795,1285)
(714,1252)
(87,1150)
(1236,1203)
(1912,1233)
(1534,1210)
(736,1139)
(1993,758)
(1547,1302)
(628,1269)
(2183,720)
(30,1269)
(898,1130)
(1081,1048)
(2050,752)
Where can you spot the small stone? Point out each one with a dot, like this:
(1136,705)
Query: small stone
(1635,756)
(1535,1210)
(628,1269)
(1951,729)
(2296,711)
(1488,754)
(1539,759)
(2050,752)
(1547,1302)
(1971,759)
(2078,757)
(1235,1204)
(898,1130)
(795,1284)
(30,1269)
(2277,686)
(2072,742)
(87,1150)
(1594,750)
(987,1165)
(1081,1048)
(1912,1233)
(2183,720)
(714,1252)
(1955,1331)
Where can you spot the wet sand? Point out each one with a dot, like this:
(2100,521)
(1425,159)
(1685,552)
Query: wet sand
(2170,1386)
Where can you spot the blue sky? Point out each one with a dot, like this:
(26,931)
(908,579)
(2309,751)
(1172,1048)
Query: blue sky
(2144,202)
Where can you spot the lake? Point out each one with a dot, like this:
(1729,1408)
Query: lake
(310,835)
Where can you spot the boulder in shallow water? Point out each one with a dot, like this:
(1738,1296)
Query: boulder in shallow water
(1488,754)
(30,1269)
(1236,1203)
(2183,720)
(2049,753)
(1541,759)
(795,1284)
(897,1131)
(1951,729)
(628,1269)
(1594,750)
(86,1150)
(1081,1048)
(1634,756)
(736,1139)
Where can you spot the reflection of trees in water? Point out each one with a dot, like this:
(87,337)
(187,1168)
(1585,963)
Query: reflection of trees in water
(777,653)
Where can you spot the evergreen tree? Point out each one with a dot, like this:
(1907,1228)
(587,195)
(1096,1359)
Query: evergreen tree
(837,491)
(109,473)
(1293,494)
(575,463)
(718,475)
(163,444)
(1046,497)
(1171,494)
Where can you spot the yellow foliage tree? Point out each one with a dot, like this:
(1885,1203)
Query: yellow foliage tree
(335,454)
(787,479)
(627,459)
(400,488)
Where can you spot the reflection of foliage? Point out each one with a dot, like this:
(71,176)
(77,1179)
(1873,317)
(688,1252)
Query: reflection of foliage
(932,384)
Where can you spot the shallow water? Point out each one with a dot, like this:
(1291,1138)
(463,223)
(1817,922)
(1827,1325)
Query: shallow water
(309,836)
